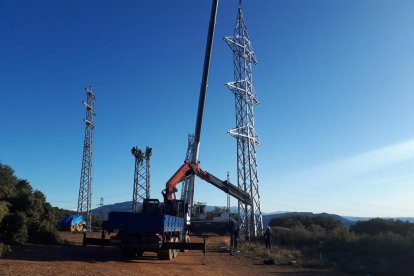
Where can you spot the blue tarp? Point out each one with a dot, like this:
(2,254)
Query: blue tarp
(71,221)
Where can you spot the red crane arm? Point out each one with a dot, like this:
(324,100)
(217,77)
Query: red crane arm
(184,171)
(188,169)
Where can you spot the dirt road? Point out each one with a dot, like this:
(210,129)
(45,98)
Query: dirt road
(74,259)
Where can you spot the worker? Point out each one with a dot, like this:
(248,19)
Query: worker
(268,236)
(231,230)
(236,234)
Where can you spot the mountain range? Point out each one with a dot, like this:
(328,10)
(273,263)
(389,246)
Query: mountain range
(126,206)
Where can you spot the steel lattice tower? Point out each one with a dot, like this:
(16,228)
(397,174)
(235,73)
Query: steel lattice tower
(141,189)
(85,188)
(245,132)
(187,189)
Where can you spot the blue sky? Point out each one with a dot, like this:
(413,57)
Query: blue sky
(336,119)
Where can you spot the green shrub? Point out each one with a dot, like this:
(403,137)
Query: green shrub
(24,214)
(4,248)
(327,223)
(4,210)
(376,246)
(14,227)
(380,253)
(377,225)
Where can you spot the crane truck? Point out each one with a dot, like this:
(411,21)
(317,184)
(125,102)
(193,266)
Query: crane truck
(161,226)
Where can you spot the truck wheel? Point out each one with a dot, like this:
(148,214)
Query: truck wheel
(79,227)
(165,254)
(187,239)
(175,251)
(127,252)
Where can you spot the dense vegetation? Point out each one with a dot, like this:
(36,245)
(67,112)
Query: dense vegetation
(25,216)
(374,246)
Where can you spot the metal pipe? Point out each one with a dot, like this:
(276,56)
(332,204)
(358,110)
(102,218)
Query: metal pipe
(204,82)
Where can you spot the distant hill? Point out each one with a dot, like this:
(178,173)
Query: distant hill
(409,219)
(347,220)
(268,217)
(355,219)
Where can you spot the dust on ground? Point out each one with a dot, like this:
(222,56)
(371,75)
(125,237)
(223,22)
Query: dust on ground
(74,259)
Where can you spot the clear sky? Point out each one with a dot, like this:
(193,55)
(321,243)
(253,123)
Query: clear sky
(335,81)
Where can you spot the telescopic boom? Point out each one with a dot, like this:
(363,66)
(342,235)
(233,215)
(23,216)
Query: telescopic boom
(189,169)
(204,81)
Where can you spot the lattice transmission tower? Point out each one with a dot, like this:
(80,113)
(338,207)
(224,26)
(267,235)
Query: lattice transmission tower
(141,188)
(187,188)
(85,188)
(245,132)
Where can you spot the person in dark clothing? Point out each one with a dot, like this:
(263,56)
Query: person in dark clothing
(268,236)
(236,234)
(231,230)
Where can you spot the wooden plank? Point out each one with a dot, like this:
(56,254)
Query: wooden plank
(184,245)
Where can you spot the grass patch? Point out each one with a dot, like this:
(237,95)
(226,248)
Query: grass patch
(280,255)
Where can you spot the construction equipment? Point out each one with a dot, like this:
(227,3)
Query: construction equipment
(150,230)
(160,226)
(189,169)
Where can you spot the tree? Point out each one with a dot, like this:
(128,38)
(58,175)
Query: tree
(4,210)
(24,214)
(377,226)
(307,222)
(7,182)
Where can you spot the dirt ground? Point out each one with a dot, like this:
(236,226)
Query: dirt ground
(73,259)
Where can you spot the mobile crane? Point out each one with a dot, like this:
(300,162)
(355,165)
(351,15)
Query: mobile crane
(160,227)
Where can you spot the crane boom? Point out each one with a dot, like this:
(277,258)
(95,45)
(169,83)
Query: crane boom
(189,169)
(204,81)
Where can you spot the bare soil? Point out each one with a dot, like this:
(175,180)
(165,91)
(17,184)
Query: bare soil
(73,259)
